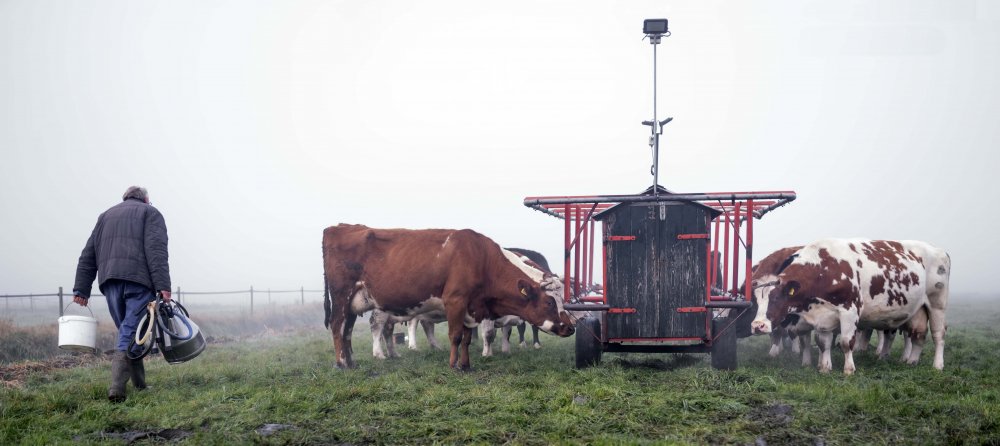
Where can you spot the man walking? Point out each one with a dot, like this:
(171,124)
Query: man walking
(127,251)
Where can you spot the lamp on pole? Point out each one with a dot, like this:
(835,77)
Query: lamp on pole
(655,29)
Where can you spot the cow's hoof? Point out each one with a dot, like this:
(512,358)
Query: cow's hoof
(463,369)
(538,346)
(343,366)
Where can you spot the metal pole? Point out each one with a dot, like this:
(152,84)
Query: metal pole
(302,292)
(60,302)
(178,296)
(268,296)
(251,300)
(656,134)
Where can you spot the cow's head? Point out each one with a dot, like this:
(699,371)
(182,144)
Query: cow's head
(542,306)
(780,299)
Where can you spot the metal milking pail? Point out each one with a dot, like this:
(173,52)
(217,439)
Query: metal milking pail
(181,339)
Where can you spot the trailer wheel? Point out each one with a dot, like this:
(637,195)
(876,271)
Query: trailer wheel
(724,347)
(588,343)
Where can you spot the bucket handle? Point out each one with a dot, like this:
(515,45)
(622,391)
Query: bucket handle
(87,307)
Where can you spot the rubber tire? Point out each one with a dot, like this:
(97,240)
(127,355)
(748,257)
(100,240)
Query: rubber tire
(588,347)
(724,348)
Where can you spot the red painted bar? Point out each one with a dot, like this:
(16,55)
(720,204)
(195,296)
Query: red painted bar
(736,248)
(566,265)
(749,253)
(576,255)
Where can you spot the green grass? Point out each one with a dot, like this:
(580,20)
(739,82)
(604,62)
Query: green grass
(528,397)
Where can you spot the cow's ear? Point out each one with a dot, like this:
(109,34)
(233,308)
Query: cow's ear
(524,288)
(791,288)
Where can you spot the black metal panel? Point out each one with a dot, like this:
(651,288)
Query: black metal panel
(656,273)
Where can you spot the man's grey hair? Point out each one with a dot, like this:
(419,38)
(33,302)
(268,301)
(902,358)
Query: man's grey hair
(136,192)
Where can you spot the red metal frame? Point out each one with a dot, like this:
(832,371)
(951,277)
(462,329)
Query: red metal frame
(735,208)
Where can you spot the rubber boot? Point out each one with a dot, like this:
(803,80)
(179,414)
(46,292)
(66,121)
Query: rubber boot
(120,372)
(138,374)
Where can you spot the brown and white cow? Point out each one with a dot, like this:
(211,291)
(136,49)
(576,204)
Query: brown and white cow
(764,278)
(407,272)
(845,285)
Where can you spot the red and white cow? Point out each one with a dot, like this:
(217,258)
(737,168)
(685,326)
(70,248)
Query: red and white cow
(406,272)
(849,284)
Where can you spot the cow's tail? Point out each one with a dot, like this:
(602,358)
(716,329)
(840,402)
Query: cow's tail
(327,304)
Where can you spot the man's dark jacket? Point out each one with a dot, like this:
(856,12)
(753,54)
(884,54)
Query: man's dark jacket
(129,242)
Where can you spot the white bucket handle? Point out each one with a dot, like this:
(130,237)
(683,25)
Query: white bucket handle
(87,307)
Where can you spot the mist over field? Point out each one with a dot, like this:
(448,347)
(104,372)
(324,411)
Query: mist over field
(254,125)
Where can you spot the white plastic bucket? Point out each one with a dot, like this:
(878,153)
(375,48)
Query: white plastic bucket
(78,333)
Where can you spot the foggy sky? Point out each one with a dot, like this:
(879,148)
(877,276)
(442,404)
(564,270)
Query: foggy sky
(254,125)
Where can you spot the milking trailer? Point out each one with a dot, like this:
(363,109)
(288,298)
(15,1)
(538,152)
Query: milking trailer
(671,262)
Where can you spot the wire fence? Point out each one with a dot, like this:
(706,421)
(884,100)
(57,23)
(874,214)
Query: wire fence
(27,309)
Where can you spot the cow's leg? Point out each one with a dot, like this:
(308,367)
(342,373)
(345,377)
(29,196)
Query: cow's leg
(429,332)
(848,337)
(487,332)
(349,321)
(459,335)
(916,335)
(505,332)
(907,347)
(917,340)
(796,343)
(776,336)
(520,333)
(864,340)
(411,334)
(885,343)
(340,314)
(534,336)
(824,340)
(390,342)
(466,340)
(803,340)
(378,320)
(938,327)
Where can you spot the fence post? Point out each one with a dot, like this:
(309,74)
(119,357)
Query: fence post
(178,296)
(31,301)
(269,296)
(302,292)
(60,303)
(251,300)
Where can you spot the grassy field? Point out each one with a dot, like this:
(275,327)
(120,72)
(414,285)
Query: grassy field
(236,390)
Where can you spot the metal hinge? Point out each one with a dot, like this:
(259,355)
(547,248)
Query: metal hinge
(620,238)
(621,310)
(691,236)
(692,310)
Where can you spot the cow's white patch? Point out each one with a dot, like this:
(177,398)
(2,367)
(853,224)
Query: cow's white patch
(547,326)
